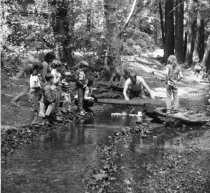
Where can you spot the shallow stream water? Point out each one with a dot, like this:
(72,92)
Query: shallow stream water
(58,161)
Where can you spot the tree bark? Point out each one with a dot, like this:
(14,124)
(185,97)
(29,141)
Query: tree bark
(62,34)
(179,25)
(88,27)
(206,56)
(200,36)
(191,35)
(169,29)
(161,23)
(113,40)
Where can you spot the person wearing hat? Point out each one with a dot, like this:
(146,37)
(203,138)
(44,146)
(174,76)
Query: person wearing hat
(65,87)
(134,87)
(81,84)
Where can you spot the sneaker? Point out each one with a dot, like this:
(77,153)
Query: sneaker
(58,118)
(82,112)
(41,114)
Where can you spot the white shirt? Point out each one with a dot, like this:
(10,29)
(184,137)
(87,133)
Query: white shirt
(56,76)
(34,81)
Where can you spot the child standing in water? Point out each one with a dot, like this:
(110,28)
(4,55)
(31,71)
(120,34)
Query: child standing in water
(173,75)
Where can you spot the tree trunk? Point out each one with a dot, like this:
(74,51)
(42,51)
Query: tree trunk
(88,27)
(200,36)
(62,34)
(206,56)
(169,29)
(113,40)
(179,24)
(161,23)
(191,35)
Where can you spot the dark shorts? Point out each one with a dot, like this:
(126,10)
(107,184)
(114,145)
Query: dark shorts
(132,94)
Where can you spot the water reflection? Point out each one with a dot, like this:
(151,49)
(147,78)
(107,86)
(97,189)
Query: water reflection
(59,160)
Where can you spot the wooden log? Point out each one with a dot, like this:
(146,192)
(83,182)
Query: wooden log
(134,102)
(193,120)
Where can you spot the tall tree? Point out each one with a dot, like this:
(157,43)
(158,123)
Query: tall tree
(113,40)
(179,25)
(61,29)
(169,28)
(206,56)
(191,33)
(200,35)
(161,22)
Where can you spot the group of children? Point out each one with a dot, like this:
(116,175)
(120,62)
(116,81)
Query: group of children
(51,95)
(50,92)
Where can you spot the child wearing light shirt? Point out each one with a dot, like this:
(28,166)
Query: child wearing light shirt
(56,87)
(34,93)
(173,75)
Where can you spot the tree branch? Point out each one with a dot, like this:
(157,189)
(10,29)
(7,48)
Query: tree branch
(129,17)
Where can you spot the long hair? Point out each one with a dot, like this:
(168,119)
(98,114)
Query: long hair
(173,61)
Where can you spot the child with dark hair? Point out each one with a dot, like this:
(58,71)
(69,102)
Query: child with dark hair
(34,93)
(173,75)
(49,57)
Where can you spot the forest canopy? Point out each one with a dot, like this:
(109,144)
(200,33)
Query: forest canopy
(104,30)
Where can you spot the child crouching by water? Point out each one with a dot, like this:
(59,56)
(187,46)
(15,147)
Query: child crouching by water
(173,75)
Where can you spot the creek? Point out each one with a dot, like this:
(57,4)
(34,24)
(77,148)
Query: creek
(58,161)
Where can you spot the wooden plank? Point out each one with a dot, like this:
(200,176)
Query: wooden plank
(134,102)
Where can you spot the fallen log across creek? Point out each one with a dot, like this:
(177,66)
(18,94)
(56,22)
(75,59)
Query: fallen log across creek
(150,107)
(184,117)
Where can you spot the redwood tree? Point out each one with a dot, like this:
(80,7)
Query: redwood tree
(191,33)
(200,35)
(113,39)
(179,25)
(206,56)
(61,29)
(169,28)
(161,22)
